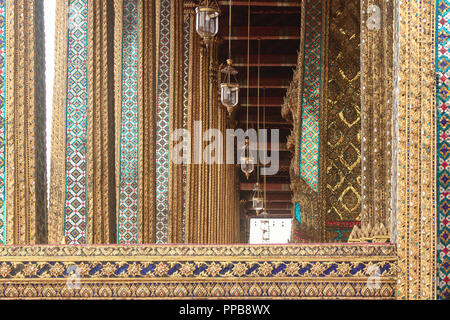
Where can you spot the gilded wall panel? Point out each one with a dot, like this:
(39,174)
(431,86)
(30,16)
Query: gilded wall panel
(324,100)
(377,121)
(340,123)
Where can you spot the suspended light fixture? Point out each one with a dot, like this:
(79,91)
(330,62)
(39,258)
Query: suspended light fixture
(246,159)
(207,20)
(258,200)
(264,212)
(229,90)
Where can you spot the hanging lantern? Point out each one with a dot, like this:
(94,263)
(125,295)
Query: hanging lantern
(229,91)
(247,161)
(207,20)
(247,165)
(258,200)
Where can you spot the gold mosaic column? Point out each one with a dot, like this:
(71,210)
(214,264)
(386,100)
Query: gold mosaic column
(416,149)
(193,172)
(376,120)
(22,123)
(176,192)
(135,70)
(82,189)
(211,188)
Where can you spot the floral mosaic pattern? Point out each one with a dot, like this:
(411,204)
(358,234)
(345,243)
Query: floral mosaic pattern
(76,119)
(162,126)
(198,271)
(310,106)
(443,147)
(186,269)
(129,139)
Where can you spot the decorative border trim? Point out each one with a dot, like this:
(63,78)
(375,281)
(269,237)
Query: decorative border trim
(195,271)
(117,251)
(195,290)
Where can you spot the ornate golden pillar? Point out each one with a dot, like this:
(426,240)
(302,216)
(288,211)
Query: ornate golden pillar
(377,39)
(415,204)
(210,187)
(136,63)
(176,192)
(193,172)
(442,150)
(82,194)
(22,123)
(150,105)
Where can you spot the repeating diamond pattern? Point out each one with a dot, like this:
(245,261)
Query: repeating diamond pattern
(2,122)
(309,147)
(162,126)
(76,120)
(443,147)
(129,139)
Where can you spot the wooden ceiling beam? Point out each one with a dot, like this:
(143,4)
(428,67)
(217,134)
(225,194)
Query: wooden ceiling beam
(269,101)
(266,60)
(273,205)
(264,37)
(265,64)
(264,33)
(281,197)
(276,187)
(272,214)
(261,105)
(256,3)
(268,83)
(279,122)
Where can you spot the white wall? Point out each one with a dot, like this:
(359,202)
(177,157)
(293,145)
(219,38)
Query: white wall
(271,230)
(49,19)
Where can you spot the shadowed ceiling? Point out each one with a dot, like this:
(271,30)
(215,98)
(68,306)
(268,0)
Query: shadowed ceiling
(276,25)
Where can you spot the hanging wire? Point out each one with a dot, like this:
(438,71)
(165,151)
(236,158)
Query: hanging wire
(248,58)
(258,105)
(229,32)
(264,127)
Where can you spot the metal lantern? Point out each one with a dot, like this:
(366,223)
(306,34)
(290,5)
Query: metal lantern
(258,199)
(207,20)
(263,213)
(229,90)
(247,165)
(247,161)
